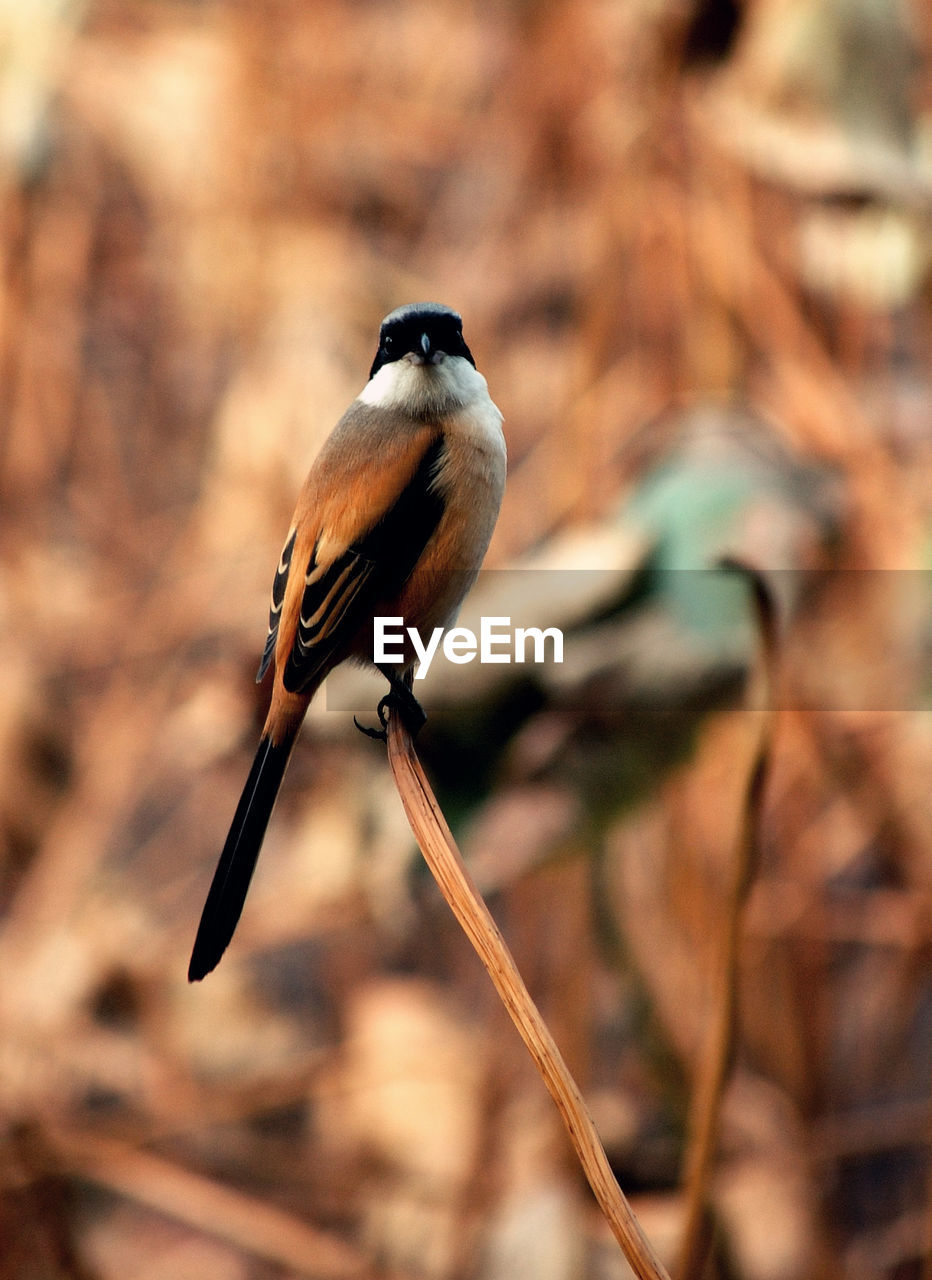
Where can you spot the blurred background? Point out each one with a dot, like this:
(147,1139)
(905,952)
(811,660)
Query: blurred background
(691,241)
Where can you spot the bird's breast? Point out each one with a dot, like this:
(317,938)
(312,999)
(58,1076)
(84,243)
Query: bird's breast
(471,480)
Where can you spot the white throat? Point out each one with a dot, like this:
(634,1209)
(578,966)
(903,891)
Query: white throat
(425,388)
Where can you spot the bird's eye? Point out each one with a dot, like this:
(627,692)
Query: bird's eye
(388,342)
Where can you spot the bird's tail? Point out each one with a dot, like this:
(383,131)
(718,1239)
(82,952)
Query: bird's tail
(227,893)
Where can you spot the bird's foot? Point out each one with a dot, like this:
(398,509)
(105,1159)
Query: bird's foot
(400,700)
(380,735)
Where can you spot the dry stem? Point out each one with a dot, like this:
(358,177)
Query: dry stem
(719,1052)
(241,1220)
(446,863)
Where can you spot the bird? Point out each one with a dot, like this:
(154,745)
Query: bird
(394,519)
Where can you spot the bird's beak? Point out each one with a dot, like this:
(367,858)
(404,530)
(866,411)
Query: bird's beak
(424,352)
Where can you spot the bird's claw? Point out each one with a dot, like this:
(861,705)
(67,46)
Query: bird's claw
(380,735)
(402,701)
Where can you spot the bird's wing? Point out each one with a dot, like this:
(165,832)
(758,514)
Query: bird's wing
(369,511)
(278,599)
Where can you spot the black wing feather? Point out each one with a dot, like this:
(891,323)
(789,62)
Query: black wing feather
(275,608)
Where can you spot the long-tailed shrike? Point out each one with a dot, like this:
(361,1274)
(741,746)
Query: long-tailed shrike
(393,520)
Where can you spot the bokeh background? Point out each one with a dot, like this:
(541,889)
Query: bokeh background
(691,241)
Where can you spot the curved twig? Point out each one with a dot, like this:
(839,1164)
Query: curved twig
(455,883)
(718,1055)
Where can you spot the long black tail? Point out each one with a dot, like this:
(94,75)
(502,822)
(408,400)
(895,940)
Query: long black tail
(227,894)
